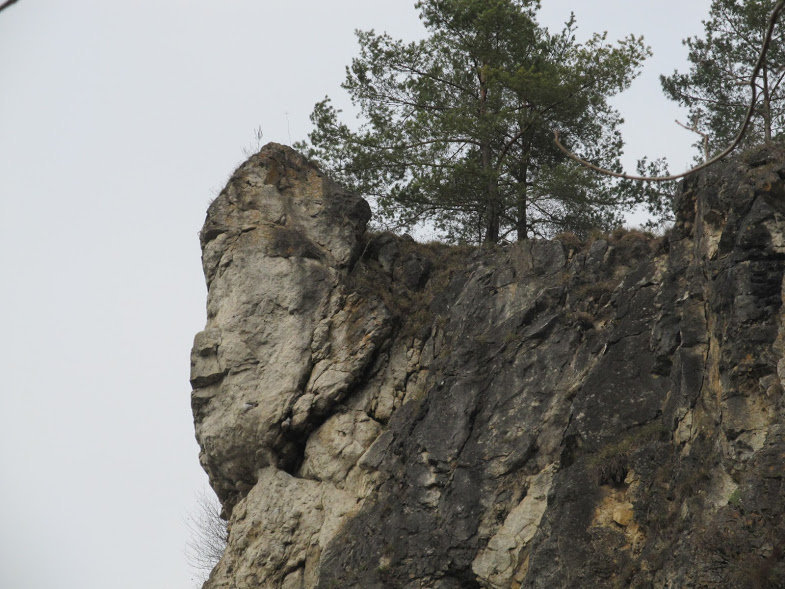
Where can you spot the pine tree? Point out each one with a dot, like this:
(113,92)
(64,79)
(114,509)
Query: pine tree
(716,89)
(456,129)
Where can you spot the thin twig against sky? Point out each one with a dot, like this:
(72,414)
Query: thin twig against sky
(5,5)
(775,14)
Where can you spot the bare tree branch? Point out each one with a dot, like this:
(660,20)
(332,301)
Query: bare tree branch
(705,136)
(5,5)
(209,535)
(775,14)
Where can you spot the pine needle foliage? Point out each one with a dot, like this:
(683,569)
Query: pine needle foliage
(716,88)
(456,129)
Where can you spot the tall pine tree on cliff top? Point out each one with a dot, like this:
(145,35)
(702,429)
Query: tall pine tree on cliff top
(456,129)
(716,89)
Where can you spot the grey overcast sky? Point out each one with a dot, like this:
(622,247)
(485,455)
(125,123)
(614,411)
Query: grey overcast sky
(119,121)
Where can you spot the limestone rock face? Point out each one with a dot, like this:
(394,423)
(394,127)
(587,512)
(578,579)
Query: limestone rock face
(373,412)
(275,245)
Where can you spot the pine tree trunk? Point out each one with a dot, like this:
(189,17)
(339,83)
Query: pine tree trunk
(766,106)
(522,223)
(492,207)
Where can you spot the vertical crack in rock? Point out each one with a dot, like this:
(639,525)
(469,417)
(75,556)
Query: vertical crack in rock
(374,412)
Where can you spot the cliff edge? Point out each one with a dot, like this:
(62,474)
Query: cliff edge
(374,412)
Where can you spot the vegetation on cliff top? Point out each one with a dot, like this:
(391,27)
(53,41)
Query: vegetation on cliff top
(456,128)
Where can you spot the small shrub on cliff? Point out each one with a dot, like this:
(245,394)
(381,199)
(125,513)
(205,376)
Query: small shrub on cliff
(735,498)
(611,464)
(209,535)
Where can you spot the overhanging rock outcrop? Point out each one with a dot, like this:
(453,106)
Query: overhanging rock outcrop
(373,412)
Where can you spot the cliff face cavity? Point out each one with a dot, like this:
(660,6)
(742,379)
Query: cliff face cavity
(374,412)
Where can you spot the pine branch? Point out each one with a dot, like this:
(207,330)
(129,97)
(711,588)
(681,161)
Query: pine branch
(727,151)
(705,136)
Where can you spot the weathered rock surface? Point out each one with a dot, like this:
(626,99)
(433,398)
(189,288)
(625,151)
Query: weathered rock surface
(374,412)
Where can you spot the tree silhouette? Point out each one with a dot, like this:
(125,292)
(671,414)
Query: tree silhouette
(209,535)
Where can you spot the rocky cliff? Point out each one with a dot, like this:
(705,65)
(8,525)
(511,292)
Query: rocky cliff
(374,412)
